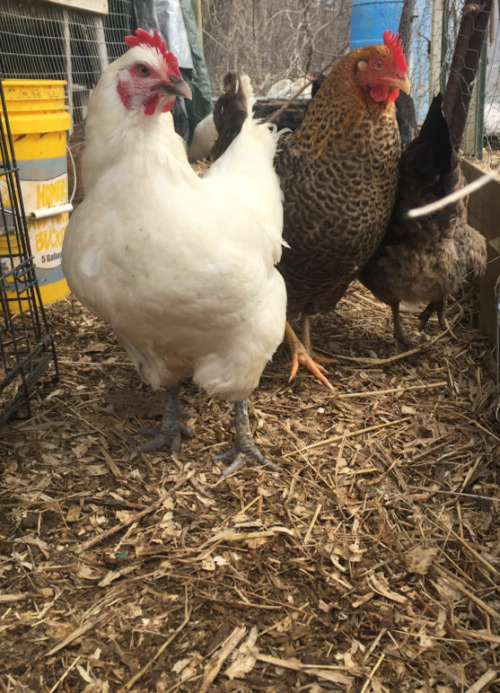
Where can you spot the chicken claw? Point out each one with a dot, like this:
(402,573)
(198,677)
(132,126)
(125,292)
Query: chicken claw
(244,448)
(302,354)
(171,430)
(433,307)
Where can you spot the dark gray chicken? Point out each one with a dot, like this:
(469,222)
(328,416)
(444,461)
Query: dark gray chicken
(230,112)
(406,117)
(426,259)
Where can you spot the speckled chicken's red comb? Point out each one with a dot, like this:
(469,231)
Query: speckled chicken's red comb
(144,38)
(393,43)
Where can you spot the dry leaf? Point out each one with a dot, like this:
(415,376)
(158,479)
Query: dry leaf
(419,558)
(246,657)
(110,577)
(88,573)
(96,469)
(95,347)
(379,585)
(73,514)
(208,563)
(255,543)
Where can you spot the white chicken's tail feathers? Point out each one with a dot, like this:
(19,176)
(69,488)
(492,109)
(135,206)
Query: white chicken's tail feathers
(267,134)
(247,91)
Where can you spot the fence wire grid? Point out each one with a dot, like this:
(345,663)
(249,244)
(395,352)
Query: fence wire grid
(270,40)
(41,40)
(288,39)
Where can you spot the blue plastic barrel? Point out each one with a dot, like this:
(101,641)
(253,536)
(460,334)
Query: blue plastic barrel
(370,18)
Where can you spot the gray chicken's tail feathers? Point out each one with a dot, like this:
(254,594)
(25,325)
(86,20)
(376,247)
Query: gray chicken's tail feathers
(232,109)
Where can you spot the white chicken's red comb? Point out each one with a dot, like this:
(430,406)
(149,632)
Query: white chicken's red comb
(144,38)
(393,43)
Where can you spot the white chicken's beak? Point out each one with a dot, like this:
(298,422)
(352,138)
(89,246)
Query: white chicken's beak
(176,86)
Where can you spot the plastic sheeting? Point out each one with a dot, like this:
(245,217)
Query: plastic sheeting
(166,16)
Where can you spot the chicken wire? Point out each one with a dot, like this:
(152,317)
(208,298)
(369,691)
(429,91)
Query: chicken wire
(435,31)
(26,347)
(290,38)
(272,40)
(41,40)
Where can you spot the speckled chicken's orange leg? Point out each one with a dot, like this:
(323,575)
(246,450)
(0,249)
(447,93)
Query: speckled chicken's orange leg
(300,355)
(305,338)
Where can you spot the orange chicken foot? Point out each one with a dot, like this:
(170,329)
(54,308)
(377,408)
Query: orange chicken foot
(244,448)
(171,429)
(302,353)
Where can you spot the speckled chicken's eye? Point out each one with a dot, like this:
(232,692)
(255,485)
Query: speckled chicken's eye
(378,65)
(143,70)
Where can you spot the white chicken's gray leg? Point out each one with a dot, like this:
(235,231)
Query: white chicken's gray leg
(171,429)
(244,448)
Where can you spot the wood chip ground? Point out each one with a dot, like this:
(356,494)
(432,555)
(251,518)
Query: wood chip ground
(369,562)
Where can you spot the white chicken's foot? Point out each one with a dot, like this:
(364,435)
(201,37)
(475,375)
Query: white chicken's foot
(171,430)
(244,449)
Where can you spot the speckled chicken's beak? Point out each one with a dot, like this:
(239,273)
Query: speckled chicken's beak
(402,84)
(177,86)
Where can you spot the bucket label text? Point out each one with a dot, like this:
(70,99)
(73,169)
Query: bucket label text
(46,238)
(43,194)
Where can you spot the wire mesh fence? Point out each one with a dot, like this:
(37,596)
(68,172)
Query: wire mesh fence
(271,41)
(40,40)
(283,39)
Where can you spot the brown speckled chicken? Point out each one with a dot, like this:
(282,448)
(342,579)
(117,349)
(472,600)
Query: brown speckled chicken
(426,259)
(339,173)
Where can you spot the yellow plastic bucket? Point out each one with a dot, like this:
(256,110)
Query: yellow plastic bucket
(38,121)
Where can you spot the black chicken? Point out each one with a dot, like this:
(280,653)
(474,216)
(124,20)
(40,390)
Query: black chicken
(426,259)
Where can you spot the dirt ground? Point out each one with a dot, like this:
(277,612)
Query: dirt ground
(369,562)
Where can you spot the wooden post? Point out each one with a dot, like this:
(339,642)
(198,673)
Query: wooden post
(436,48)
(101,44)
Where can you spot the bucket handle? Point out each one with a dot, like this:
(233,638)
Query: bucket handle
(73,166)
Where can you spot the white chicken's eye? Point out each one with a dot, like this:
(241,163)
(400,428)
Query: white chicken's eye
(378,65)
(143,70)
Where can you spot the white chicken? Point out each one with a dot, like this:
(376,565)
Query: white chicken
(204,136)
(181,267)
